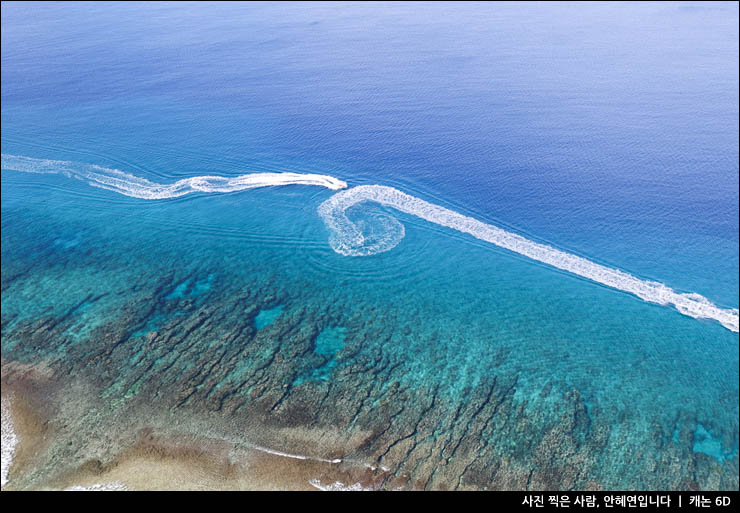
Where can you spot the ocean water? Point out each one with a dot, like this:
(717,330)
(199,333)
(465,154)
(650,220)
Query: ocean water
(510,231)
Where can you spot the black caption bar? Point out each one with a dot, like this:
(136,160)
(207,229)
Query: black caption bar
(691,501)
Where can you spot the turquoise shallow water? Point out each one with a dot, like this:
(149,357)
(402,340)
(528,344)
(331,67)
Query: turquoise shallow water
(616,145)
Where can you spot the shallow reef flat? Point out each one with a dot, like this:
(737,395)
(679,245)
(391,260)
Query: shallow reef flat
(236,368)
(158,457)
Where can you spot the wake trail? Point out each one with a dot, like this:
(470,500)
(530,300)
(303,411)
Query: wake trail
(136,187)
(382,232)
(347,238)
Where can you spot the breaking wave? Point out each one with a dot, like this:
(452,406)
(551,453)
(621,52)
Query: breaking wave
(381,232)
(350,239)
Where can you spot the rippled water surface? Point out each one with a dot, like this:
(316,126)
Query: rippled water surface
(505,254)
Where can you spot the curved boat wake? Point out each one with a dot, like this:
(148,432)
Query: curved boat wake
(347,238)
(383,232)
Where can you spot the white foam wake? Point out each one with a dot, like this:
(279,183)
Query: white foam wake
(136,187)
(347,238)
(381,232)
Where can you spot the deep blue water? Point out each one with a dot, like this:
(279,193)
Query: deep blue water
(608,131)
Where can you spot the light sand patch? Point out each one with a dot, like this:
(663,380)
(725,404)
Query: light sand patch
(169,467)
(24,426)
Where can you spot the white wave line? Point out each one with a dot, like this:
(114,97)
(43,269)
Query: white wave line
(115,486)
(347,238)
(9,439)
(338,486)
(294,456)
